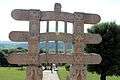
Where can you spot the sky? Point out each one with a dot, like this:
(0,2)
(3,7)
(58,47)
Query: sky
(107,9)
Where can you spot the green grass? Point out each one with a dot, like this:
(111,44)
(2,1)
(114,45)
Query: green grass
(15,74)
(62,73)
(11,74)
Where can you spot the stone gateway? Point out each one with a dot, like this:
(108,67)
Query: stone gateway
(78,59)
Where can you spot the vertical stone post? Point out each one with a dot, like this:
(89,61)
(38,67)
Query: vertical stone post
(47,49)
(56,42)
(34,71)
(57,9)
(47,30)
(77,71)
(65,42)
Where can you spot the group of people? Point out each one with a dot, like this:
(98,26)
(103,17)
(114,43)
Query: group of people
(53,67)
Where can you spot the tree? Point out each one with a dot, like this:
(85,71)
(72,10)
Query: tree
(109,49)
(22,50)
(3,60)
(5,51)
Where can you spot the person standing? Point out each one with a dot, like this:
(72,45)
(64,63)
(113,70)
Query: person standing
(51,68)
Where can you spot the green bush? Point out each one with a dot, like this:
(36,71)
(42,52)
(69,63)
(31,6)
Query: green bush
(67,67)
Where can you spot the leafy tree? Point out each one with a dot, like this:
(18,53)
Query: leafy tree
(22,50)
(3,60)
(109,49)
(5,51)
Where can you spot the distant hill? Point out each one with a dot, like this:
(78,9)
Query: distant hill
(9,44)
(51,45)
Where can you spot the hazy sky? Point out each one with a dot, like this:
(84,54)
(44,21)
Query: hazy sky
(109,10)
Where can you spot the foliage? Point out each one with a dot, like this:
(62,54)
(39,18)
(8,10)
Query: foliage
(3,61)
(22,50)
(67,67)
(62,73)
(109,49)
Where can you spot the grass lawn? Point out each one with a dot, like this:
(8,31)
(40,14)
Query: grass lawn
(11,74)
(62,73)
(15,74)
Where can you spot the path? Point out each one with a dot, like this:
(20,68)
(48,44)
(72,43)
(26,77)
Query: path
(47,75)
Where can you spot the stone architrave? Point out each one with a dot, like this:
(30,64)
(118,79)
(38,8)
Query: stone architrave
(22,36)
(82,58)
(79,59)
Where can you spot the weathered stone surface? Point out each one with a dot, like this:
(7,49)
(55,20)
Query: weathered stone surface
(34,73)
(33,59)
(22,36)
(88,18)
(55,58)
(77,71)
(19,36)
(21,14)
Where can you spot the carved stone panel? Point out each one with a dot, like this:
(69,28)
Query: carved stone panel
(55,58)
(22,36)
(22,14)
